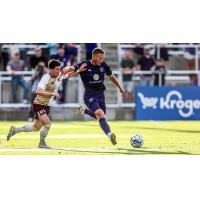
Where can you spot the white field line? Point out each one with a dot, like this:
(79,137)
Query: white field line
(95,149)
(65,136)
(57,149)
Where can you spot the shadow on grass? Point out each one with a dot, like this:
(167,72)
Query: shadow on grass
(119,151)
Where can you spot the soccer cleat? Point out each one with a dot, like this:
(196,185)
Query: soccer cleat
(11,133)
(80,110)
(42,144)
(113,139)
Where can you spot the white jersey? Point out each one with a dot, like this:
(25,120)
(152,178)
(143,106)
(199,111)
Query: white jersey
(48,84)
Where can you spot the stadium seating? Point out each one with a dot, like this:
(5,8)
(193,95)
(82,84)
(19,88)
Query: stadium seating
(73,97)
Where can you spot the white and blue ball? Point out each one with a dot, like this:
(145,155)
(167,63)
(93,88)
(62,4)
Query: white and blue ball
(137,141)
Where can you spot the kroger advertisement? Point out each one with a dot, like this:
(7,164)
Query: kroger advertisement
(168,103)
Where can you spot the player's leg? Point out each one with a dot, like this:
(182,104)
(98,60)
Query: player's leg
(26,128)
(81,111)
(89,112)
(100,112)
(44,119)
(105,126)
(89,101)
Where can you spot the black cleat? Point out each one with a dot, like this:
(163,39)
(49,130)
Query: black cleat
(42,144)
(113,139)
(11,133)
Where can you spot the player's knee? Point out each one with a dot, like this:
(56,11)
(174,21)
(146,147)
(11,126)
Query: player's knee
(99,113)
(36,129)
(47,126)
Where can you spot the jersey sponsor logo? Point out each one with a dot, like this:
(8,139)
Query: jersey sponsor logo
(101,69)
(96,77)
(91,100)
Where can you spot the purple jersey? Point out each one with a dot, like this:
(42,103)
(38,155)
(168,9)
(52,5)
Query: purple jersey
(93,78)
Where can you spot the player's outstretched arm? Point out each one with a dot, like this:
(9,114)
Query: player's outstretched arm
(43,93)
(68,69)
(73,68)
(114,79)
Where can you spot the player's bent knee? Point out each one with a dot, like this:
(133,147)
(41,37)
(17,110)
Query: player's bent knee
(36,129)
(99,113)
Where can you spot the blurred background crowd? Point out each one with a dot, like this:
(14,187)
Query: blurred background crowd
(138,64)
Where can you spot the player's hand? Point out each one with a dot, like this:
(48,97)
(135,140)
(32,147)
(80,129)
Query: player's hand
(83,67)
(122,91)
(72,74)
(55,94)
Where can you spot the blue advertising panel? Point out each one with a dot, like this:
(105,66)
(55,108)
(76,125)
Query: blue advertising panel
(168,103)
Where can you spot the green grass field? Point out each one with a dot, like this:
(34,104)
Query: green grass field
(78,138)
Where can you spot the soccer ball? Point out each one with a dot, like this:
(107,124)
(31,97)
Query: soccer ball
(137,141)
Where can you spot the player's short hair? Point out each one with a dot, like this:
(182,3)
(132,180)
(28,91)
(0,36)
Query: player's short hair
(98,51)
(53,63)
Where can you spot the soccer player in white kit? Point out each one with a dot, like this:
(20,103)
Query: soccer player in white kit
(46,91)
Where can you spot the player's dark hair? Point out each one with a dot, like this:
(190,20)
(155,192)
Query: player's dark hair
(53,63)
(97,51)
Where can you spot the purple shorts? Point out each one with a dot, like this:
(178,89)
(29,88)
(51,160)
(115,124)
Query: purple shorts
(95,102)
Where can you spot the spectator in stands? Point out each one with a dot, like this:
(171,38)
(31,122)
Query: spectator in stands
(145,63)
(71,52)
(89,48)
(160,69)
(163,53)
(22,50)
(40,70)
(65,61)
(53,47)
(189,56)
(62,56)
(38,57)
(4,56)
(127,65)
(14,65)
(138,51)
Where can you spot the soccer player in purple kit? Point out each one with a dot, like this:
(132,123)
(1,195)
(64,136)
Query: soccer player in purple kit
(93,81)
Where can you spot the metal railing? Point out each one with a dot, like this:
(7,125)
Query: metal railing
(180,50)
(170,75)
(6,76)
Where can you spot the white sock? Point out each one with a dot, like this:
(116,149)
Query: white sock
(25,128)
(109,134)
(44,132)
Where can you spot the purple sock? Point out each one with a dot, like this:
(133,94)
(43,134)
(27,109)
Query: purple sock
(90,113)
(104,125)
